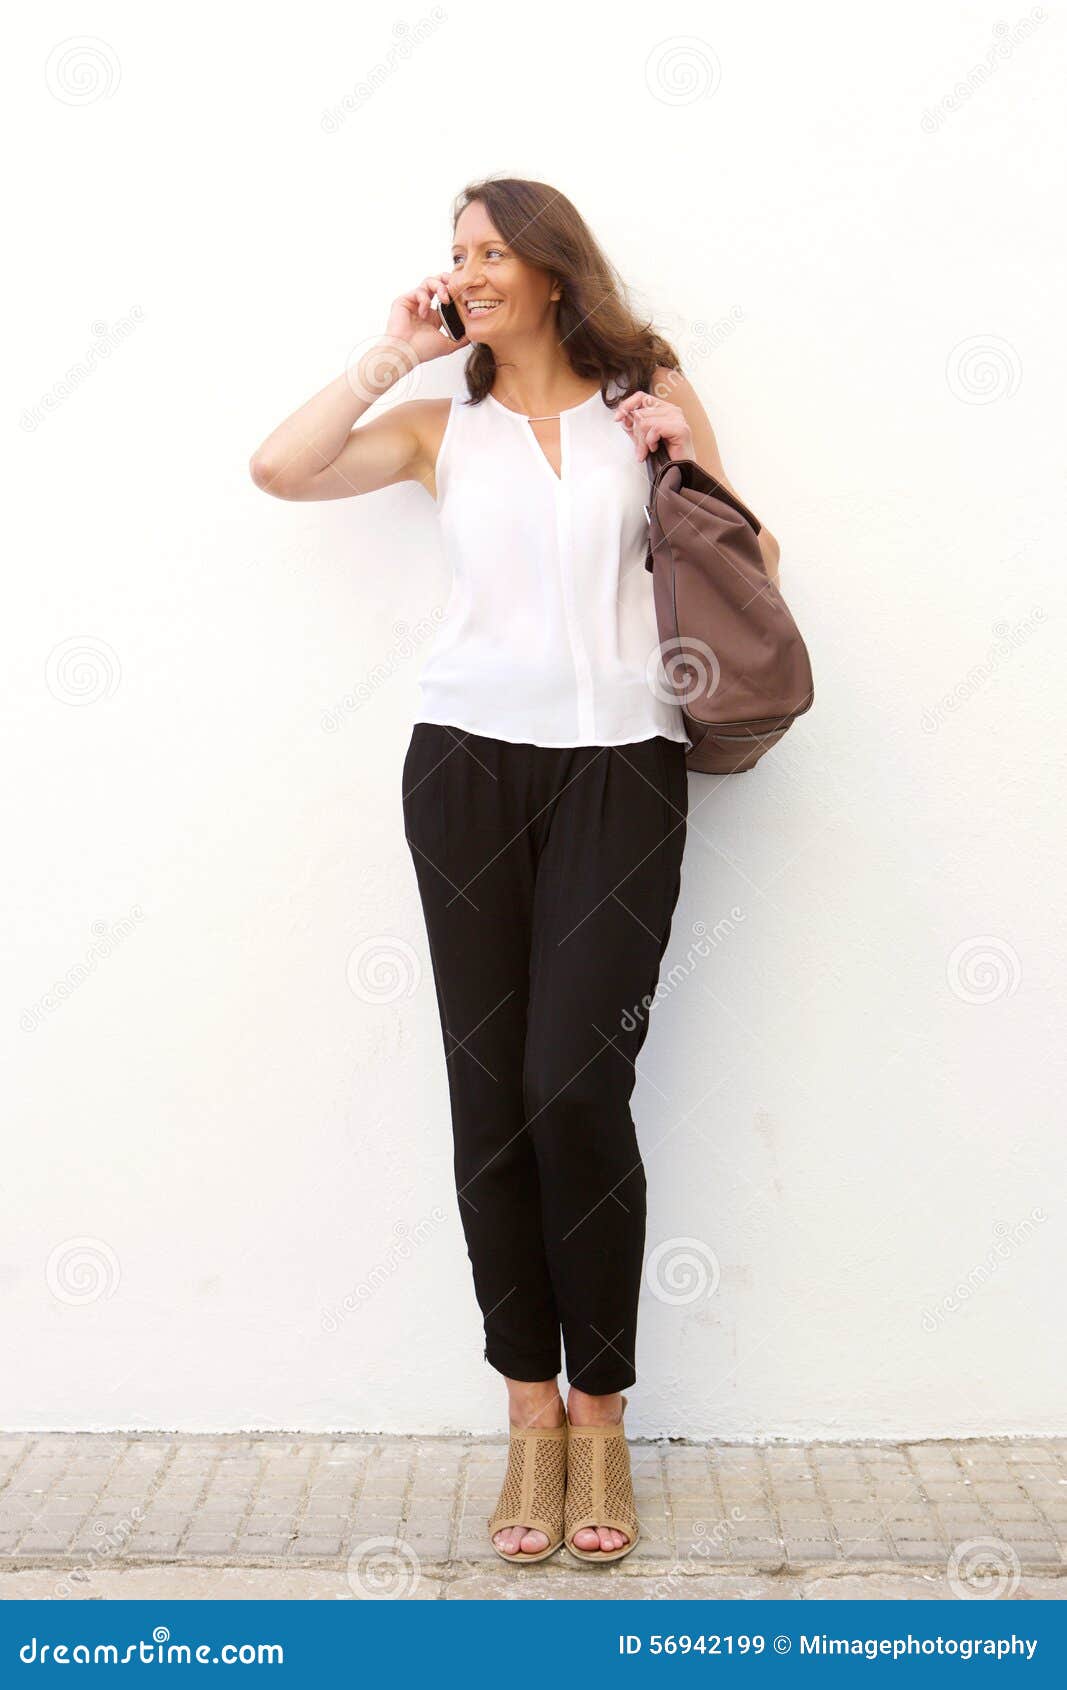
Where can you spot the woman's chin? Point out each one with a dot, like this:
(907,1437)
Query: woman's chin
(481,328)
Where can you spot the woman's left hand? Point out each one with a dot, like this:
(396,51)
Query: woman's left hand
(651,422)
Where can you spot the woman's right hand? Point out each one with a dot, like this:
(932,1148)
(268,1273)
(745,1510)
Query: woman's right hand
(414,320)
(319,453)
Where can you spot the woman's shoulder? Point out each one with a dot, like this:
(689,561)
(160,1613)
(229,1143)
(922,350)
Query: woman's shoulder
(670,384)
(428,418)
(431,421)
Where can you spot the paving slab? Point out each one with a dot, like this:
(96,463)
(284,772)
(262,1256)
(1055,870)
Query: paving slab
(390,1516)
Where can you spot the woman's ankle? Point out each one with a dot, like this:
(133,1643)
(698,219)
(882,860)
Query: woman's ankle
(583,1409)
(534,1404)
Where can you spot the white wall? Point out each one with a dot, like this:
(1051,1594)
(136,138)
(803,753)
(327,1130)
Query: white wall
(228,1194)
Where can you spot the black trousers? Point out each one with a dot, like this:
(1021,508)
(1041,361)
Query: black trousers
(548,878)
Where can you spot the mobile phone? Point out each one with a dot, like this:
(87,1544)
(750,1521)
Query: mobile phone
(448,311)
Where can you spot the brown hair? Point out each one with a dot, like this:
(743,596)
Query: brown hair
(597,327)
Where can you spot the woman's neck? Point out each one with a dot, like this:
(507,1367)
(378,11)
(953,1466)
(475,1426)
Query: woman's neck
(536,384)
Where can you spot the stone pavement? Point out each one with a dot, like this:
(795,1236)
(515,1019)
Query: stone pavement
(381,1517)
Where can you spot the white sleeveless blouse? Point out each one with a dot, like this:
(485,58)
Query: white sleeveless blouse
(549,635)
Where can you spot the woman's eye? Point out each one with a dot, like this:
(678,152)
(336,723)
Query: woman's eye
(490,252)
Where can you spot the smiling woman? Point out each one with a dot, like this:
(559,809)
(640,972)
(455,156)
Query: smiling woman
(522,253)
(544,797)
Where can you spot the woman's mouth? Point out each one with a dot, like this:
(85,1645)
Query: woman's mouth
(482,307)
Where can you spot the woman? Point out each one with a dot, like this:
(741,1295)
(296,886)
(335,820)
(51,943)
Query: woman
(544,799)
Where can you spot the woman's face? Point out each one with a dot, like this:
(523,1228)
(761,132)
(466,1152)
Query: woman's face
(498,294)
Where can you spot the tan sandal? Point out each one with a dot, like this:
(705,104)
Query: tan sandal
(533,1488)
(600,1489)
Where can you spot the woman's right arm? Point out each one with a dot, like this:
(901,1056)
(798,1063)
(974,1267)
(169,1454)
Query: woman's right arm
(319,453)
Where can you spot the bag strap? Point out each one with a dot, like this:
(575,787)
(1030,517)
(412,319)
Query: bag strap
(657,459)
(693,475)
(653,463)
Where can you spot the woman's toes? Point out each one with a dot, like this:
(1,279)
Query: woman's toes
(600,1537)
(515,1540)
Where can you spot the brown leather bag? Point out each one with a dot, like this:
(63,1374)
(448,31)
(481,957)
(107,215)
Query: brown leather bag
(731,651)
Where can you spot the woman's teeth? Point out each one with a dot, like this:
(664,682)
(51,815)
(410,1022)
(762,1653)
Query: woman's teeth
(478,307)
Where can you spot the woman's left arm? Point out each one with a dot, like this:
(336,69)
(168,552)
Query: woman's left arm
(672,413)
